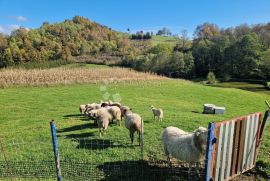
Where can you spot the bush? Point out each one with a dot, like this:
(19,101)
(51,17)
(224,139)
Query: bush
(211,78)
(267,85)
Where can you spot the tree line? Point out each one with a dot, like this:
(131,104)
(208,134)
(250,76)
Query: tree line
(238,52)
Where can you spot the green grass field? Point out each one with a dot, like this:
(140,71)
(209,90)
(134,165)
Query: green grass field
(26,112)
(164,39)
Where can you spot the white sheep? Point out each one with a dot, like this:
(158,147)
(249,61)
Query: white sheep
(103,118)
(158,112)
(92,106)
(133,123)
(110,103)
(184,146)
(116,113)
(82,108)
(122,108)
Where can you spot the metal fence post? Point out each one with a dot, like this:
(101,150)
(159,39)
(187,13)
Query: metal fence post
(55,150)
(209,150)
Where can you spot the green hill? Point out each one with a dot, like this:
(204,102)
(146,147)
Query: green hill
(66,40)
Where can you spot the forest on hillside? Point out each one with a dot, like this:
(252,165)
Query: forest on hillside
(237,52)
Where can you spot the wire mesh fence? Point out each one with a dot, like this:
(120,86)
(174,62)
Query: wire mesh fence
(23,156)
(87,157)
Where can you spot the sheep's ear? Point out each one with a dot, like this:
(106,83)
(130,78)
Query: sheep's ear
(197,133)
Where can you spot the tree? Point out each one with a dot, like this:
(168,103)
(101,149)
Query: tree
(206,31)
(66,54)
(7,58)
(264,65)
(184,37)
(203,57)
(164,31)
(244,56)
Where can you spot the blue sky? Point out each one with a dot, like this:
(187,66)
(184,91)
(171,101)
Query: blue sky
(147,15)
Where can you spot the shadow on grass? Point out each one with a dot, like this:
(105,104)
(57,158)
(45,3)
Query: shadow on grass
(80,116)
(142,170)
(197,112)
(78,136)
(262,169)
(77,127)
(100,144)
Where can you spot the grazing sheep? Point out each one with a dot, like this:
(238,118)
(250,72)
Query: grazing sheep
(187,147)
(122,108)
(133,123)
(116,113)
(110,103)
(158,112)
(82,108)
(103,118)
(92,106)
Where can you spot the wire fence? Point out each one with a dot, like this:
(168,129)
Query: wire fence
(83,157)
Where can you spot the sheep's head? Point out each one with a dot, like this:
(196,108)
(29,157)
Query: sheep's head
(200,138)
(151,107)
(93,114)
(125,109)
(104,104)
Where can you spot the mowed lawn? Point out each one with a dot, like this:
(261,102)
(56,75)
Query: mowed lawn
(25,113)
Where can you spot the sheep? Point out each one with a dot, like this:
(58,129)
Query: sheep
(134,123)
(158,112)
(122,108)
(116,113)
(103,118)
(110,103)
(82,108)
(90,107)
(185,146)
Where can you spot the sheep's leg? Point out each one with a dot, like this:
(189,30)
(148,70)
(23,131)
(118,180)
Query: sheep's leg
(119,122)
(140,139)
(168,156)
(169,161)
(131,135)
(100,133)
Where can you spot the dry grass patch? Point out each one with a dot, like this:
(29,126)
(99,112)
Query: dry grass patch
(64,75)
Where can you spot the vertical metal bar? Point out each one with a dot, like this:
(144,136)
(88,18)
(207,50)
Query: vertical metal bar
(250,141)
(209,150)
(220,138)
(230,149)
(224,151)
(253,144)
(55,150)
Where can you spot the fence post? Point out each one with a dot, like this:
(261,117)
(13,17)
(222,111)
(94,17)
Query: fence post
(209,150)
(55,150)
(263,125)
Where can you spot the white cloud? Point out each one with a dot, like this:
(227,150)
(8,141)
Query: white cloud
(17,18)
(21,18)
(7,29)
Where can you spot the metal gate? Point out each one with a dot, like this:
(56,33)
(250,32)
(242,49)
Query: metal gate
(233,146)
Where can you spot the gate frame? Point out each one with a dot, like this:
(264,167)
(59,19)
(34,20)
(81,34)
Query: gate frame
(211,140)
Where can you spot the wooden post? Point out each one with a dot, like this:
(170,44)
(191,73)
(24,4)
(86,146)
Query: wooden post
(55,150)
